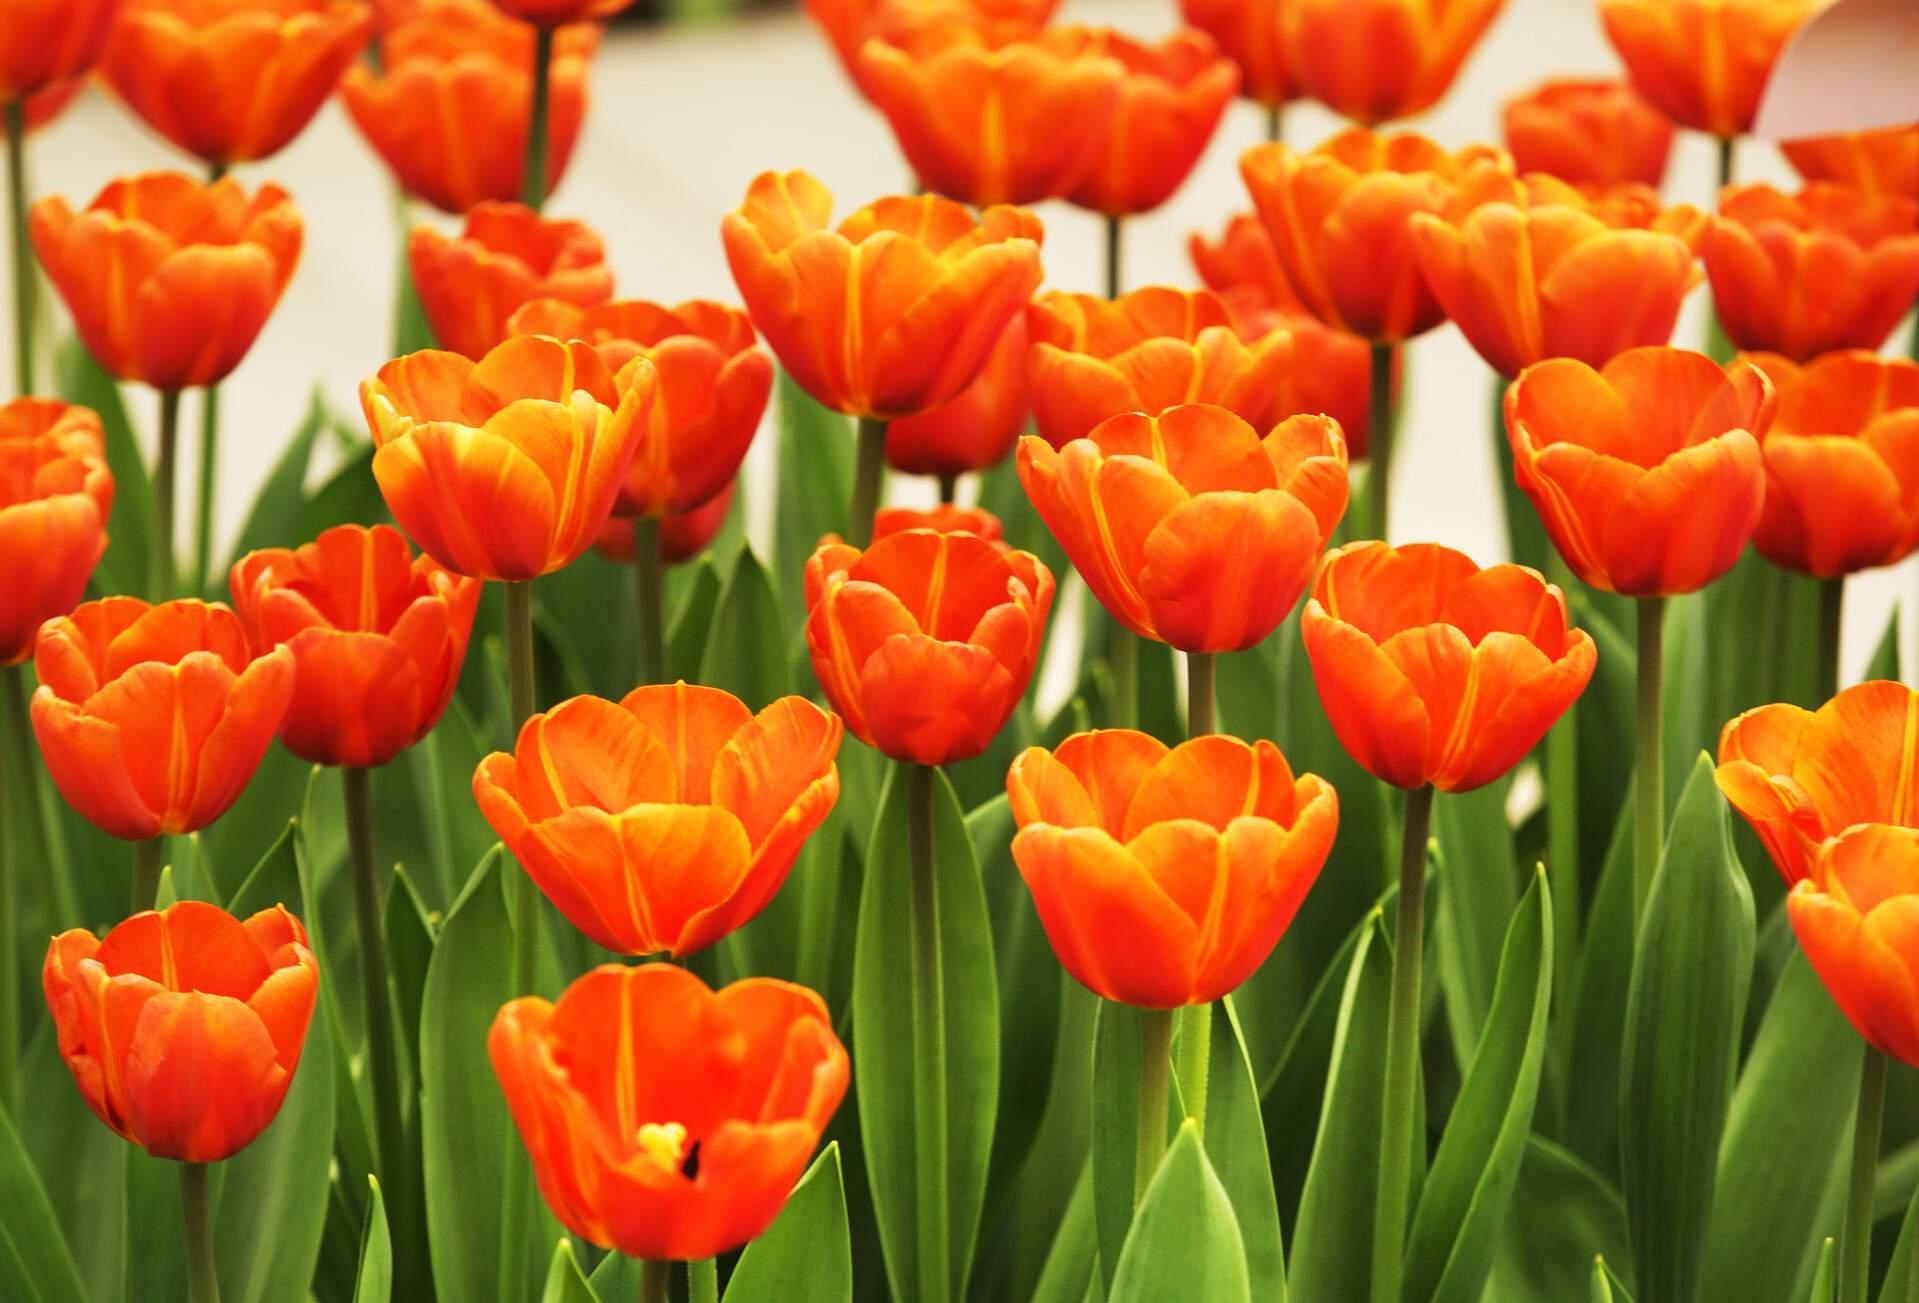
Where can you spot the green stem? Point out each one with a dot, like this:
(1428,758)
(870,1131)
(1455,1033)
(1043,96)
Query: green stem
(703,1281)
(1194,1055)
(1275,123)
(161,574)
(869,472)
(203,509)
(1832,604)
(1380,434)
(533,173)
(1649,781)
(519,663)
(656,1278)
(1202,673)
(1402,1053)
(929,1034)
(1727,146)
(949,490)
(652,580)
(23,272)
(354,782)
(1122,658)
(1113,280)
(1562,820)
(24,754)
(203,1278)
(11,858)
(1855,1248)
(149,858)
(1155,1073)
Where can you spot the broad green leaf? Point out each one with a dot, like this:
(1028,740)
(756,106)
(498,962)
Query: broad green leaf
(806,1255)
(281,495)
(1688,994)
(441,766)
(1477,891)
(1561,1213)
(1899,1287)
(153,1261)
(1184,1246)
(588,616)
(409,945)
(1071,1272)
(1885,655)
(1822,1274)
(564,1283)
(1236,1145)
(1450,1250)
(815,483)
(890,1044)
(1606,1287)
(1594,1029)
(36,1266)
(275,880)
(746,652)
(1118,1060)
(374,1283)
(692,622)
(1604,721)
(81,1164)
(1688,726)
(79,379)
(350,496)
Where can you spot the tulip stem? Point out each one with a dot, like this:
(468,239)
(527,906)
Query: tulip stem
(1380,420)
(1275,124)
(1855,1252)
(1402,1053)
(656,1280)
(703,1281)
(533,174)
(1202,673)
(929,1035)
(354,782)
(1113,231)
(652,577)
(1194,1051)
(11,848)
(1122,658)
(519,665)
(23,282)
(203,1279)
(1832,605)
(868,473)
(949,489)
(160,571)
(1727,146)
(203,509)
(1155,1074)
(149,858)
(1649,782)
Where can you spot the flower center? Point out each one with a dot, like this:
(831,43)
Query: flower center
(664,1143)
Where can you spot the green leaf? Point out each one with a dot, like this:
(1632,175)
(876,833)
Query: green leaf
(153,1260)
(887,1041)
(746,652)
(564,1283)
(806,1255)
(1822,1274)
(1899,1269)
(282,495)
(1885,656)
(1236,1145)
(1477,890)
(1184,1245)
(350,496)
(275,880)
(1595,1026)
(1783,1159)
(1118,1059)
(36,1265)
(1561,1213)
(1606,1287)
(79,379)
(409,945)
(1451,1248)
(1690,970)
(374,1283)
(815,484)
(1070,1272)
(691,624)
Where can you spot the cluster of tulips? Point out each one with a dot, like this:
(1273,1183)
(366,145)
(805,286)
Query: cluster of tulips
(1205,460)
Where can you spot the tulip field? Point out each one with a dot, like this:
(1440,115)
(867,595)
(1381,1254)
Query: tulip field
(909,775)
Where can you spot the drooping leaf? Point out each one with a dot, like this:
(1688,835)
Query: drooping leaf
(806,1255)
(1184,1246)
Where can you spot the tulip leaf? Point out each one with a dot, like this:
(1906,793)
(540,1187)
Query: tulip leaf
(815,483)
(1450,1250)
(1118,1059)
(1783,1159)
(1236,1145)
(1822,1274)
(409,945)
(478,1181)
(373,1283)
(806,1255)
(275,879)
(350,496)
(564,1283)
(1184,1246)
(281,495)
(1603,718)
(692,622)
(1885,654)
(746,651)
(1477,890)
(1594,1028)
(1686,725)
(891,1044)
(1561,1213)
(79,379)
(36,1266)
(1607,1287)
(1690,972)
(153,1262)
(1899,1269)
(1070,1272)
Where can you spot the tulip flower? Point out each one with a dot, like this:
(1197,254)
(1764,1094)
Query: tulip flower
(1828,269)
(231,83)
(55,496)
(44,43)
(1171,98)
(152,718)
(1647,474)
(943,519)
(505,468)
(894,311)
(1190,527)
(1851,918)
(1435,672)
(1801,777)
(1164,877)
(506,257)
(460,62)
(1876,162)
(975,428)
(849,24)
(985,124)
(667,820)
(1588,132)
(1248,33)
(924,642)
(169,280)
(664,1119)
(1377,60)
(1703,63)
(378,637)
(552,13)
(183,1027)
(681,538)
(1147,351)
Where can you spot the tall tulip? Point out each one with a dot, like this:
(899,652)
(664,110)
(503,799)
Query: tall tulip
(506,257)
(1248,33)
(55,496)
(1171,98)
(1376,60)
(849,24)
(977,427)
(1882,162)
(1588,132)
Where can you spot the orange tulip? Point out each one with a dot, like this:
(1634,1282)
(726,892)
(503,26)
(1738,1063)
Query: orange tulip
(1435,672)
(1171,98)
(1248,33)
(1147,351)
(995,124)
(666,820)
(505,468)
(1802,776)
(976,428)
(1842,463)
(44,43)
(1376,60)
(1647,474)
(44,106)
(925,642)
(682,537)
(1189,527)
(712,390)
(1530,271)
(230,83)
(894,311)
(552,13)
(664,1119)
(169,280)
(1826,270)
(1703,63)
(151,719)
(849,24)
(183,1027)
(1341,222)
(1588,131)
(1854,921)
(507,256)
(943,519)
(1877,162)
(55,495)
(378,637)
(450,111)
(1165,877)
